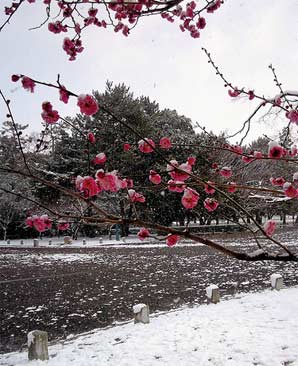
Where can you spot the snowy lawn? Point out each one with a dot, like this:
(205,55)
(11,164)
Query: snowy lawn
(253,329)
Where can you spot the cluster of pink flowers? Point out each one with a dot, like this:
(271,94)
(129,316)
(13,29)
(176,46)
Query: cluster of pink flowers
(109,182)
(172,239)
(72,47)
(143,233)
(154,177)
(57,27)
(135,196)
(210,204)
(49,115)
(292,116)
(179,172)
(39,223)
(190,198)
(63,226)
(27,83)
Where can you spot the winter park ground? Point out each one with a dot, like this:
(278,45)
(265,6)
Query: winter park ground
(75,289)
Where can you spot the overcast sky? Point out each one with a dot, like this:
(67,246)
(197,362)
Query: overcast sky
(159,61)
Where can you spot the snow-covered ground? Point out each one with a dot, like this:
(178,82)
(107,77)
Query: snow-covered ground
(252,329)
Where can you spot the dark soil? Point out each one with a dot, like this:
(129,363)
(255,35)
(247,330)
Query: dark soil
(103,284)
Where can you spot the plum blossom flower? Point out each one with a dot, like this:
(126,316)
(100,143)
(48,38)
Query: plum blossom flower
(143,233)
(275,151)
(165,143)
(64,95)
(39,223)
(190,198)
(91,137)
(231,187)
(209,187)
(292,116)
(172,240)
(279,181)
(248,159)
(126,147)
(154,177)
(258,155)
(210,204)
(179,172)
(226,172)
(28,84)
(88,186)
(135,197)
(176,186)
(49,115)
(88,105)
(289,190)
(234,92)
(191,160)
(62,226)
(146,145)
(100,159)
(269,227)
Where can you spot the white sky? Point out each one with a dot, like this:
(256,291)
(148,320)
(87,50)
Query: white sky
(159,61)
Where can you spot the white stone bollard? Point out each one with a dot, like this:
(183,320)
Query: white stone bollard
(50,242)
(213,294)
(7,241)
(141,313)
(67,240)
(38,345)
(100,240)
(84,242)
(276,281)
(35,243)
(22,242)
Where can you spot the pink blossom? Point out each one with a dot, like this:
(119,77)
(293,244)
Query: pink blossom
(91,137)
(28,84)
(176,186)
(201,23)
(143,233)
(191,160)
(269,227)
(29,221)
(154,177)
(290,190)
(248,159)
(126,147)
(146,145)
(279,181)
(209,187)
(100,159)
(231,187)
(236,149)
(214,166)
(258,155)
(88,186)
(165,143)
(251,95)
(64,95)
(190,198)
(88,105)
(172,240)
(210,204)
(212,7)
(225,172)
(234,92)
(109,181)
(275,151)
(179,173)
(292,116)
(72,47)
(135,197)
(15,78)
(39,224)
(49,115)
(62,226)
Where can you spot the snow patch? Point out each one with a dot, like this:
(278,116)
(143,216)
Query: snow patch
(138,307)
(209,290)
(273,278)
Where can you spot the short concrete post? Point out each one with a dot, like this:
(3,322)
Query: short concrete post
(22,242)
(100,240)
(50,242)
(7,241)
(84,241)
(276,281)
(38,345)
(35,243)
(213,294)
(141,313)
(67,240)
